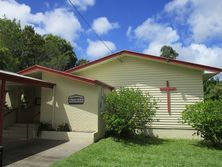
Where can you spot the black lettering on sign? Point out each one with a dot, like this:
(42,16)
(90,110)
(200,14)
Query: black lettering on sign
(76,99)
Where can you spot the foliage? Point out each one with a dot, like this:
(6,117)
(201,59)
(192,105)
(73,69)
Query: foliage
(213,89)
(81,62)
(127,110)
(10,44)
(206,118)
(32,47)
(63,127)
(44,126)
(144,153)
(168,52)
(21,48)
(4,58)
(58,50)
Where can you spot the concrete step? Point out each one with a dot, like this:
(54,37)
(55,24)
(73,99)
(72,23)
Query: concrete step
(71,136)
(11,135)
(24,125)
(19,131)
(16,128)
(16,136)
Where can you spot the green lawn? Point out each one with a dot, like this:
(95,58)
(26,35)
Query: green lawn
(141,152)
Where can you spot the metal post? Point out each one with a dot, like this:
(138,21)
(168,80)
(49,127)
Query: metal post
(2,103)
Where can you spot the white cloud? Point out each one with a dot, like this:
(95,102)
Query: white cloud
(156,35)
(60,21)
(83,4)
(11,9)
(175,5)
(102,25)
(129,32)
(150,31)
(203,17)
(97,49)
(200,53)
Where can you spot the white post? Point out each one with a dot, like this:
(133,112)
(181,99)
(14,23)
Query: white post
(53,105)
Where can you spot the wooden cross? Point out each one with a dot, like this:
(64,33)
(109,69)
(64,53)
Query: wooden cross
(168,89)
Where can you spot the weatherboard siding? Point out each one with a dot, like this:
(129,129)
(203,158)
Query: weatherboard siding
(149,76)
(82,117)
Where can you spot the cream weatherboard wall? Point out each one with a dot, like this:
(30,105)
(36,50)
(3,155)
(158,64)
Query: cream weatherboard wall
(149,76)
(80,117)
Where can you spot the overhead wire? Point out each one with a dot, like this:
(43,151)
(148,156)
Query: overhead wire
(87,23)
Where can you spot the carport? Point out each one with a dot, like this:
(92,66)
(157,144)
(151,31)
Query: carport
(8,77)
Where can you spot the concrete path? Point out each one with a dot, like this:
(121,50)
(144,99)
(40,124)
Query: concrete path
(39,153)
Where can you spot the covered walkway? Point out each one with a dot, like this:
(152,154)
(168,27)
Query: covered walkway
(5,77)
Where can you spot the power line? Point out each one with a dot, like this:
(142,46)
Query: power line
(87,23)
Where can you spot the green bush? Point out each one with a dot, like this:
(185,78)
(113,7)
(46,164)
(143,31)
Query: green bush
(127,110)
(206,118)
(63,127)
(44,126)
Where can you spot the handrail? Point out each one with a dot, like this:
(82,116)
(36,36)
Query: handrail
(35,115)
(9,112)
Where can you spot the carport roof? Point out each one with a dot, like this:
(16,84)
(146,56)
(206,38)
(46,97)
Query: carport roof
(14,77)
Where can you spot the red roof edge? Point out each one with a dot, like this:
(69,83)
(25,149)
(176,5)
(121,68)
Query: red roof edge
(156,58)
(75,77)
(104,84)
(94,62)
(29,80)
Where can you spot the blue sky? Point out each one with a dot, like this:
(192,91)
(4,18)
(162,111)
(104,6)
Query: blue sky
(192,27)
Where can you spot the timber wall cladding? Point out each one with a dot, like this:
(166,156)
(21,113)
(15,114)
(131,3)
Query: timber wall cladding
(149,76)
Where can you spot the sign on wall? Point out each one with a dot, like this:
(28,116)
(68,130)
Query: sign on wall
(76,99)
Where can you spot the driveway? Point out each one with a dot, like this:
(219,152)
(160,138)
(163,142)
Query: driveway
(38,153)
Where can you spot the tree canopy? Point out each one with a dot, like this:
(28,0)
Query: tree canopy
(168,52)
(23,47)
(81,62)
(213,89)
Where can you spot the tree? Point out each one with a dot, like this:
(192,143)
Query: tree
(32,47)
(81,62)
(213,89)
(4,58)
(168,52)
(128,110)
(10,44)
(21,48)
(59,53)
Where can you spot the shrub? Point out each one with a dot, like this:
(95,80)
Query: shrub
(44,126)
(127,110)
(63,127)
(206,118)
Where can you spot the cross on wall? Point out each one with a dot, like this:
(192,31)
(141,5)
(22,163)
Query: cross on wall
(168,89)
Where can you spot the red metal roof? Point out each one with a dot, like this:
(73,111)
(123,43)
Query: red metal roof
(151,57)
(14,77)
(62,73)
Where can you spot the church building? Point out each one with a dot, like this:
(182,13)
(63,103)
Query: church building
(77,95)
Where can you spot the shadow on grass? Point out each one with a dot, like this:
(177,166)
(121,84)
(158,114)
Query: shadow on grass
(204,144)
(140,140)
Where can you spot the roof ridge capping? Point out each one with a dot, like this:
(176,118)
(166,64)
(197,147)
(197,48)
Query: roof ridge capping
(148,56)
(63,73)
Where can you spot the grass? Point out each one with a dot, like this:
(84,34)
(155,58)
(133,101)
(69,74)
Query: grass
(145,152)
